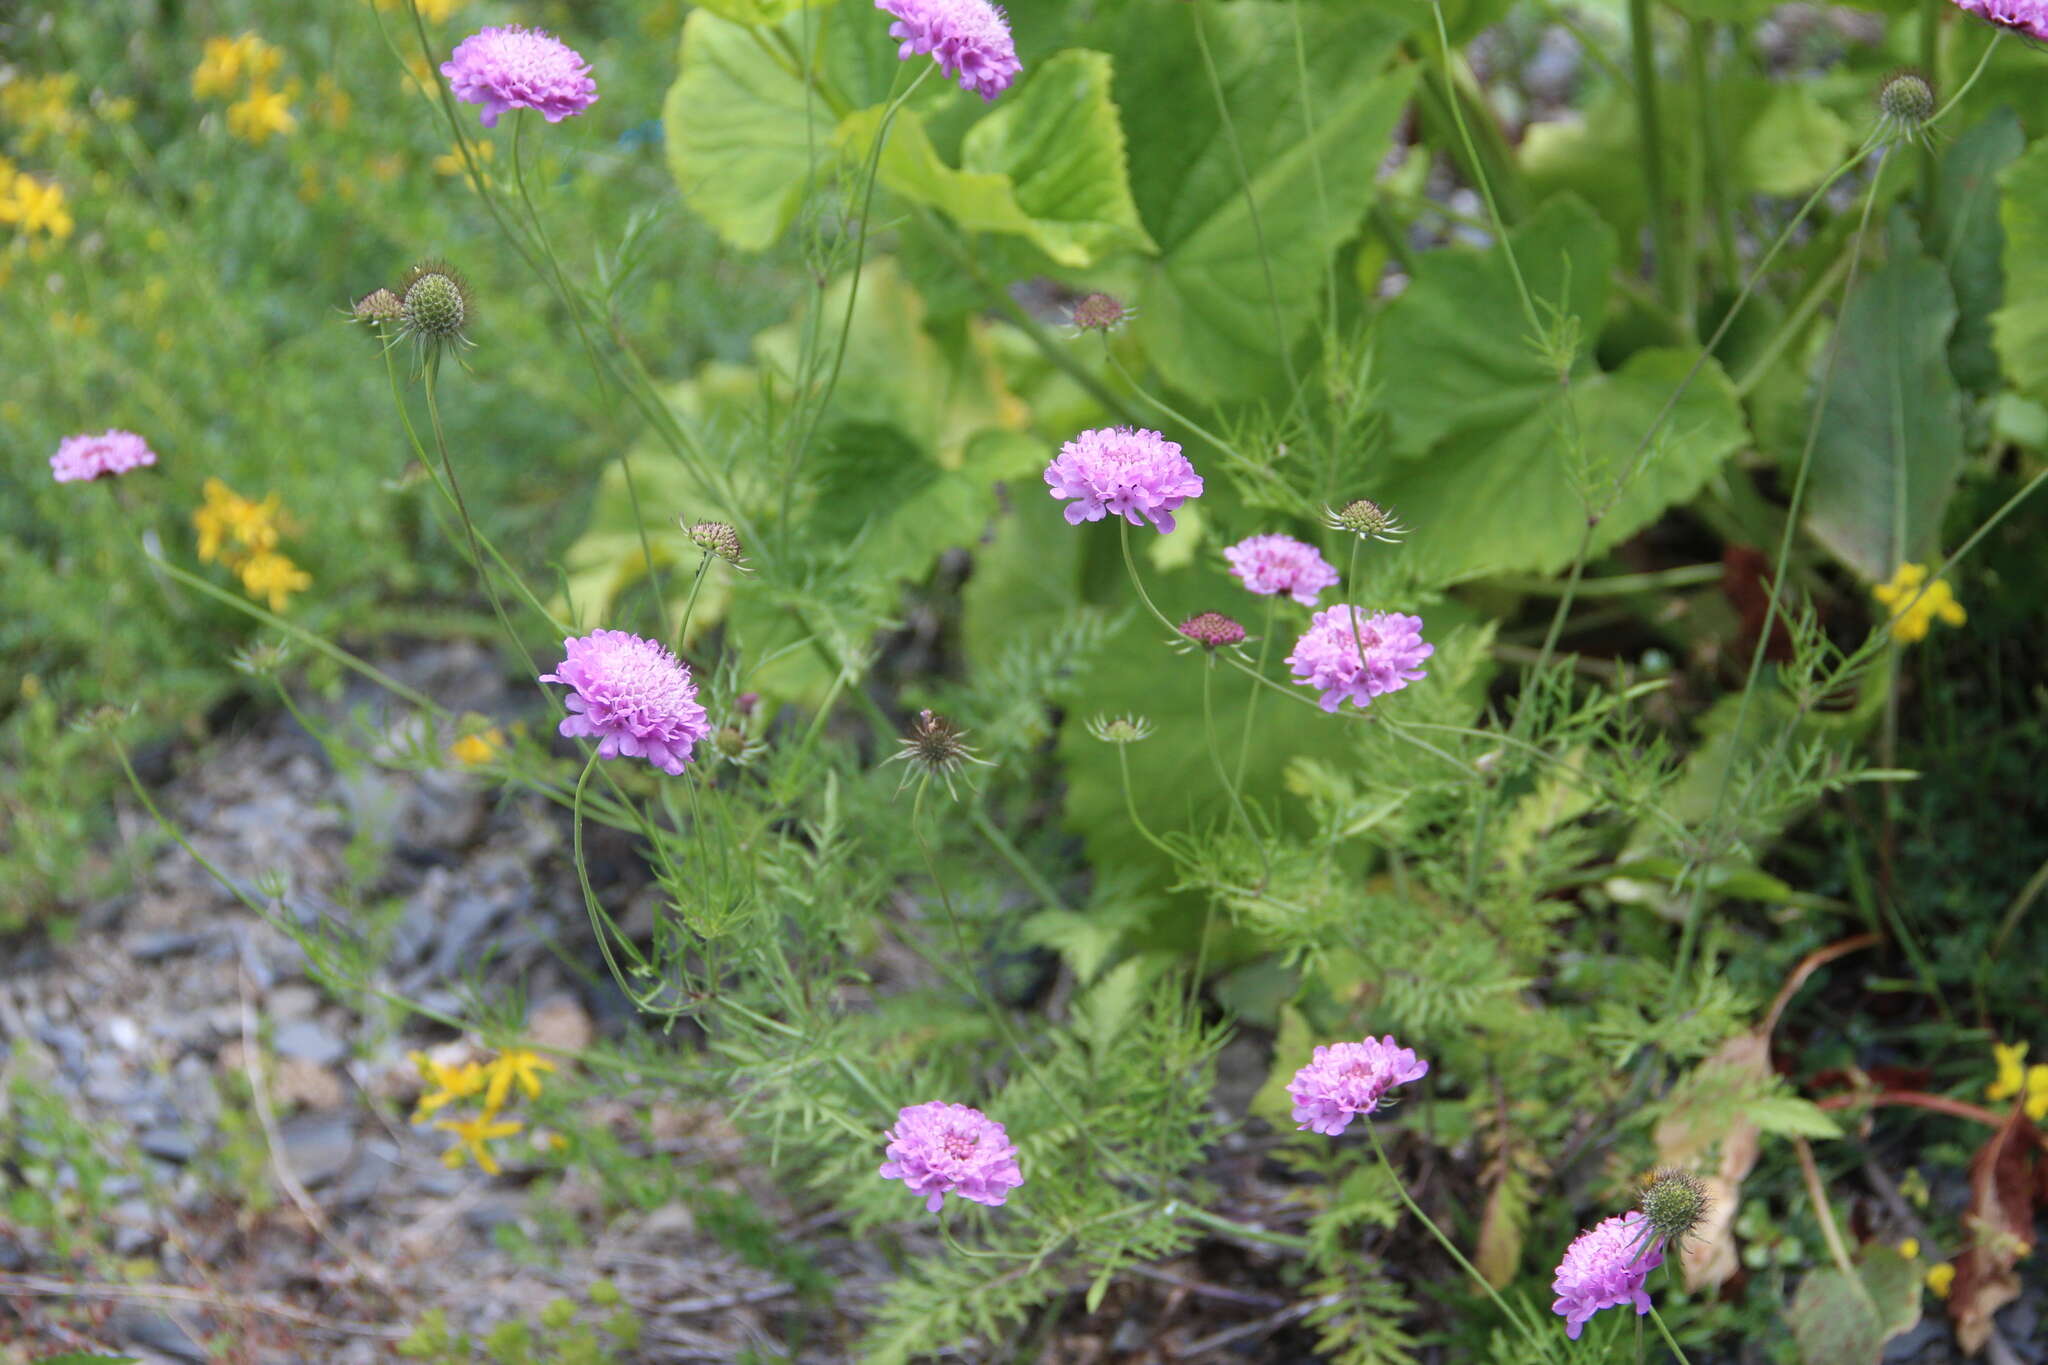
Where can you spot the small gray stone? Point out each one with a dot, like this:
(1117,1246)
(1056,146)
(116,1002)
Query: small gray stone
(155,1330)
(169,943)
(167,1144)
(307,1039)
(291,1002)
(317,1146)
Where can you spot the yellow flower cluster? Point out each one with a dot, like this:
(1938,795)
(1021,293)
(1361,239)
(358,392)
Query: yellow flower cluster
(433,11)
(31,206)
(1915,603)
(494,1080)
(39,109)
(247,65)
(477,747)
(243,534)
(2017,1080)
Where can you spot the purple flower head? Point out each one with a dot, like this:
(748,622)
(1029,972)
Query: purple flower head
(1277,564)
(2028,18)
(969,39)
(1605,1267)
(1212,630)
(1344,1080)
(520,68)
(1122,470)
(84,458)
(632,696)
(1329,656)
(939,1149)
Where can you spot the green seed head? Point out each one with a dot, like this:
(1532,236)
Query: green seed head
(435,303)
(1120,729)
(1364,517)
(379,305)
(1675,1203)
(1907,98)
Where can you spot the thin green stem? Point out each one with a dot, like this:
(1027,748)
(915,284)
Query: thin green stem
(1649,123)
(1251,704)
(1123,767)
(1401,1188)
(690,607)
(1665,1332)
(1123,528)
(1615,585)
(1012,855)
(1281,340)
(1713,148)
(1530,314)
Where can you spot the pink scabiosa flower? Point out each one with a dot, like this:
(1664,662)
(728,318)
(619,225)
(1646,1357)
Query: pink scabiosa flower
(969,39)
(632,696)
(1275,564)
(520,68)
(939,1149)
(1344,1080)
(1212,630)
(1355,657)
(1128,471)
(2028,18)
(81,459)
(1605,1267)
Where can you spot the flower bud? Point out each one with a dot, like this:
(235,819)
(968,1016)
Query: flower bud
(434,303)
(1366,518)
(1119,729)
(1098,313)
(1675,1203)
(1212,630)
(379,305)
(1905,103)
(715,538)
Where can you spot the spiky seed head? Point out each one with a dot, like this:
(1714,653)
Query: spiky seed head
(379,305)
(261,660)
(434,303)
(1906,102)
(1099,313)
(935,747)
(1675,1203)
(715,538)
(1212,630)
(1364,517)
(1120,729)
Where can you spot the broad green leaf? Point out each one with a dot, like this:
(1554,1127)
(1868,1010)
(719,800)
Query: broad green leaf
(744,138)
(747,137)
(2019,330)
(1891,437)
(1506,499)
(1456,346)
(1837,1321)
(757,11)
(1060,141)
(1966,238)
(1792,145)
(1240,277)
(1047,165)
(1790,1116)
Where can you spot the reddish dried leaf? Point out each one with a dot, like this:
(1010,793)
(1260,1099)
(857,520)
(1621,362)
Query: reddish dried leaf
(2006,1178)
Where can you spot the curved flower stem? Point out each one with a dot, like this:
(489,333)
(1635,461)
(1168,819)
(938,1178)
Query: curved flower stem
(1123,766)
(1014,856)
(1167,408)
(476,554)
(1401,1188)
(1123,529)
(690,607)
(1665,1332)
(1251,704)
(1222,772)
(1350,604)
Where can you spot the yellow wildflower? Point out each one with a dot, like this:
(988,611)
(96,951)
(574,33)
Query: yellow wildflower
(33,206)
(41,107)
(1940,1278)
(450,1083)
(7,174)
(471,1135)
(433,11)
(232,527)
(514,1064)
(332,102)
(2012,1075)
(481,747)
(1910,1248)
(274,577)
(261,114)
(450,162)
(224,62)
(2037,1092)
(1915,603)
